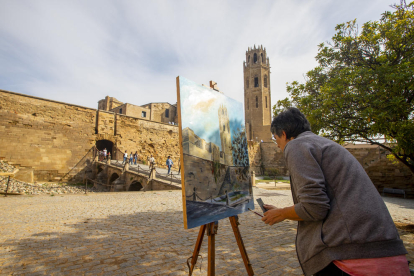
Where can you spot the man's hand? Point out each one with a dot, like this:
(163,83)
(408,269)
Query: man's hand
(274,215)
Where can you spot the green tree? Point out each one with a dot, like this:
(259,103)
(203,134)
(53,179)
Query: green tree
(362,89)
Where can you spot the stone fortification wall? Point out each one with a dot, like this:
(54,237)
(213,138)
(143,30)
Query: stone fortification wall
(52,138)
(105,122)
(272,159)
(148,138)
(383,173)
(45,135)
(255,156)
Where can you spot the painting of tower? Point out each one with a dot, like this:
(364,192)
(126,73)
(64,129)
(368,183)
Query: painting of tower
(257,101)
(215,174)
(225,135)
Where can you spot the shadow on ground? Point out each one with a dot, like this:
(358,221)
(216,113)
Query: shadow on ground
(148,242)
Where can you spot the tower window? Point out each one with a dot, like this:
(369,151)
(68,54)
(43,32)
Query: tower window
(167,113)
(255,58)
(256,82)
(248,59)
(120,111)
(265,81)
(143,114)
(257,102)
(266,100)
(247,82)
(247,104)
(224,128)
(262,56)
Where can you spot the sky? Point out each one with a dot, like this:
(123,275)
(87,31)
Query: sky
(199,111)
(78,51)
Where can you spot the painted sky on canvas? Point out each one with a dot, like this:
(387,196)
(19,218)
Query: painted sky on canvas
(199,111)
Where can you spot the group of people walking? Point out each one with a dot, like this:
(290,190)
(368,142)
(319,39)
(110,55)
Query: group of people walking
(132,159)
(103,154)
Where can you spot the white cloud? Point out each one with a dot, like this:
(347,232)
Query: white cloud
(80,51)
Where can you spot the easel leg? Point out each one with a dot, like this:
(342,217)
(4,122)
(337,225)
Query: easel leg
(234,221)
(197,247)
(211,233)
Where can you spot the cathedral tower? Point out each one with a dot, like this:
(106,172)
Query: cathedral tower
(225,135)
(257,102)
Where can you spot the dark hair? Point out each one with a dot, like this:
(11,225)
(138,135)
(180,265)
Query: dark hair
(168,156)
(291,121)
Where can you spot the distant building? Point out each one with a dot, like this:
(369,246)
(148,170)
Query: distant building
(257,101)
(158,112)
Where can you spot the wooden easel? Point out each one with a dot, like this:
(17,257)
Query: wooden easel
(211,232)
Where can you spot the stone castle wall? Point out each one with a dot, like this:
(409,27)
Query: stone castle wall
(48,136)
(51,137)
(148,138)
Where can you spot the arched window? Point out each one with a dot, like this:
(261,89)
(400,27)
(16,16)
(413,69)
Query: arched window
(224,128)
(255,58)
(257,102)
(262,56)
(266,100)
(256,82)
(167,113)
(265,81)
(247,103)
(247,82)
(248,59)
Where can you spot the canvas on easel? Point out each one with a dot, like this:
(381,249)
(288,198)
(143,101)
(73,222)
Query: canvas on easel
(215,177)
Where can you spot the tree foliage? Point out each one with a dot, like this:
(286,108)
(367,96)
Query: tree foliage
(362,89)
(239,148)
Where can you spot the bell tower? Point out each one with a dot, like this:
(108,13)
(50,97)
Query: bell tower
(257,101)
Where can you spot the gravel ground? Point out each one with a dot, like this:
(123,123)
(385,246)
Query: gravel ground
(141,233)
(16,186)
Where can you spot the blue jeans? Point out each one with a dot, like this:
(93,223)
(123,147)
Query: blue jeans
(124,160)
(169,169)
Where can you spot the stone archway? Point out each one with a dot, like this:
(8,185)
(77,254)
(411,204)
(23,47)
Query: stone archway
(100,168)
(105,144)
(113,177)
(135,186)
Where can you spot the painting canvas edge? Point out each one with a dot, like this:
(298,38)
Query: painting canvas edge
(180,135)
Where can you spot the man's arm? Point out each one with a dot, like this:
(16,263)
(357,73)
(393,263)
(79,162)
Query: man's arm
(276,215)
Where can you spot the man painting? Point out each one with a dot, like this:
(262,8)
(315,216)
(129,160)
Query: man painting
(344,226)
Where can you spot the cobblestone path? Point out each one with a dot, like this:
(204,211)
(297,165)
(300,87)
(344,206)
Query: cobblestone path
(138,233)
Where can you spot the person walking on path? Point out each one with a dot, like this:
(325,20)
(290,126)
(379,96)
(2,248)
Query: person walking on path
(125,157)
(169,164)
(131,158)
(105,153)
(136,157)
(151,162)
(109,155)
(344,227)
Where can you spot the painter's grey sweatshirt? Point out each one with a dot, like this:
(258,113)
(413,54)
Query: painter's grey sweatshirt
(344,217)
